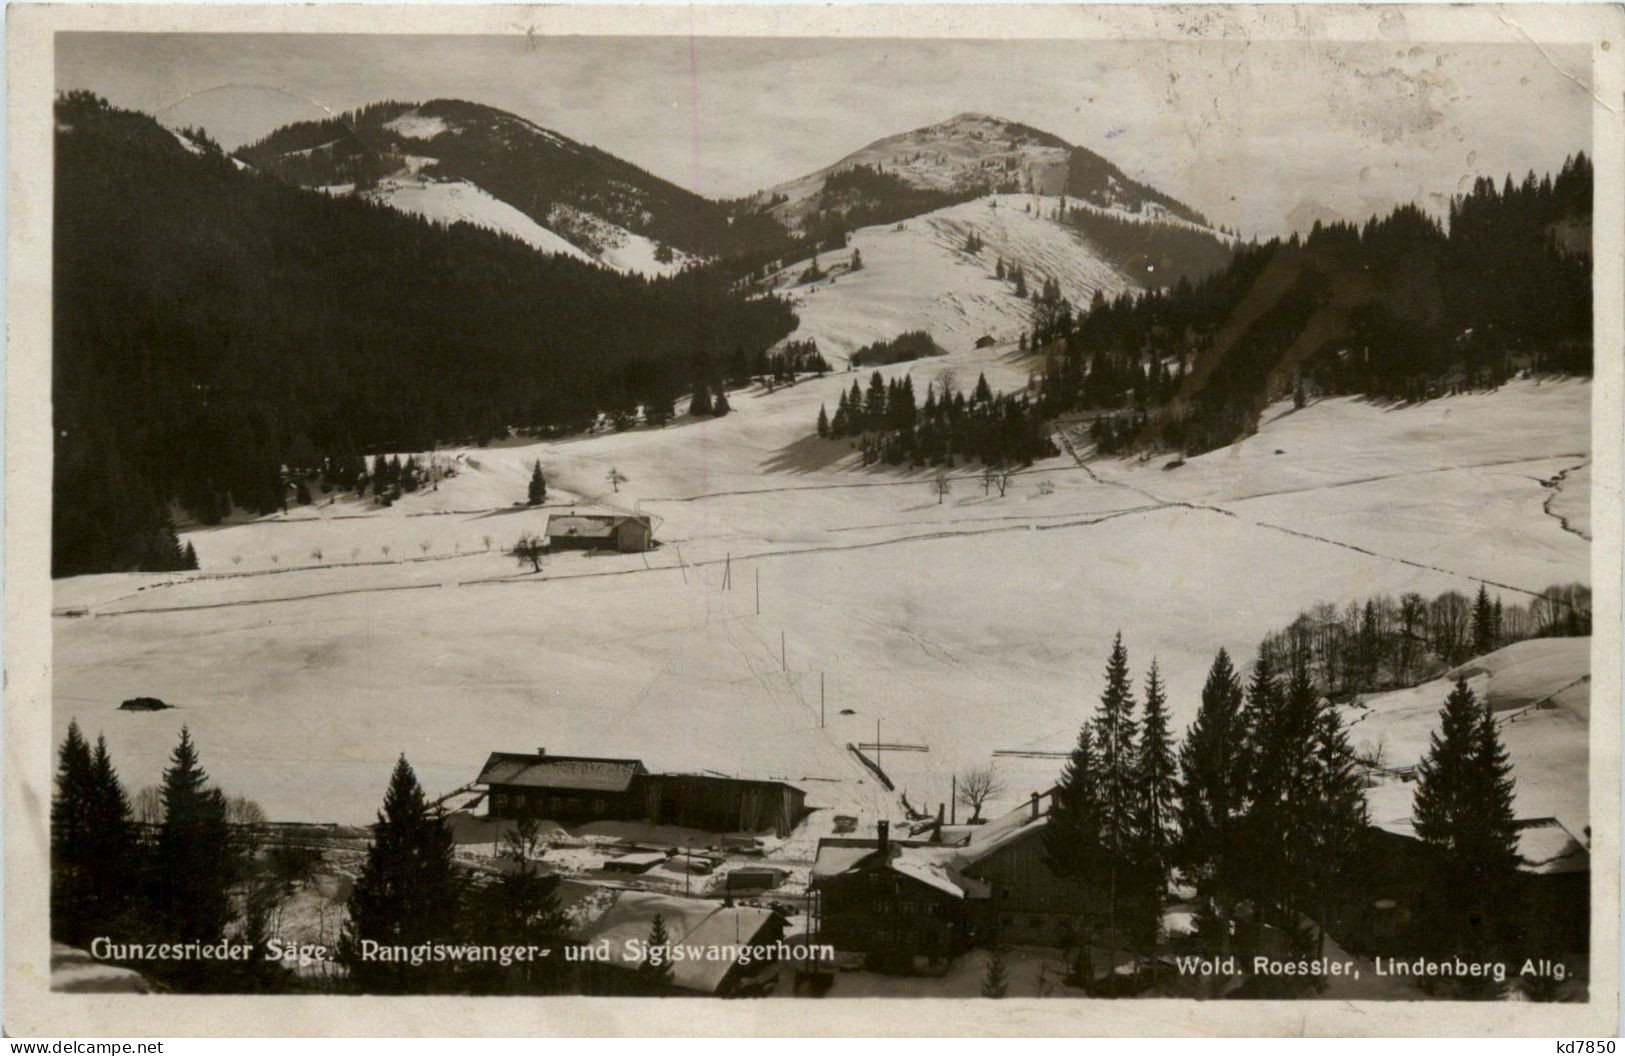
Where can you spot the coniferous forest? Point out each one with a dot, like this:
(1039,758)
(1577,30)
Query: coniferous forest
(213,325)
(1403,307)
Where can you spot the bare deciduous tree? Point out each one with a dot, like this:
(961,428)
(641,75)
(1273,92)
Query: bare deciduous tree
(616,478)
(941,486)
(529,550)
(149,806)
(976,786)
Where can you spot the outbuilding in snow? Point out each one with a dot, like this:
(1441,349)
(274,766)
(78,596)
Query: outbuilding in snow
(624,532)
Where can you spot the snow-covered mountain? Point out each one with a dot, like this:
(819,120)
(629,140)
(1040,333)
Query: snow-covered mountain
(941,271)
(964,156)
(454,161)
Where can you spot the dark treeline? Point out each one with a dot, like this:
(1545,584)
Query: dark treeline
(1385,643)
(211,324)
(861,195)
(996,429)
(1153,251)
(1094,179)
(1403,307)
(176,875)
(915,344)
(1261,809)
(190,866)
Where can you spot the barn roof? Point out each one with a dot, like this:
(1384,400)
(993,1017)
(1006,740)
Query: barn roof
(941,865)
(689,922)
(577,772)
(1545,845)
(589,525)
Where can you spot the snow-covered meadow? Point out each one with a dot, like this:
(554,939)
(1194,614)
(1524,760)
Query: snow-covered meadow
(972,625)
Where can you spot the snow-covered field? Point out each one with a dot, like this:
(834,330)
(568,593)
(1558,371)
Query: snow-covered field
(969,626)
(916,275)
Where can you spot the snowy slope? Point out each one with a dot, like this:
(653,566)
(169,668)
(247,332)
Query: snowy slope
(454,161)
(1540,693)
(917,275)
(458,201)
(972,625)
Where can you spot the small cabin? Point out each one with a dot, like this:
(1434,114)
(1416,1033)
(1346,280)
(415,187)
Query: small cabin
(985,341)
(625,533)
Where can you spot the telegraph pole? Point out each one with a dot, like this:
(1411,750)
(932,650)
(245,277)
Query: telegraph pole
(877,744)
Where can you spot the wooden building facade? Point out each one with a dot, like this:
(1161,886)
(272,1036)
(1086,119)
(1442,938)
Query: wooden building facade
(573,789)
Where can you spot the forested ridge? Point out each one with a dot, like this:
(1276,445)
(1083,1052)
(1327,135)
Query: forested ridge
(532,169)
(1402,307)
(212,324)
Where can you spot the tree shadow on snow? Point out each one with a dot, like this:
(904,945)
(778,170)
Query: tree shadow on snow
(807,455)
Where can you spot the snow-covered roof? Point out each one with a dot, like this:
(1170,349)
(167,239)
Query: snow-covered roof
(1549,849)
(940,865)
(588,525)
(580,773)
(838,854)
(689,922)
(1545,845)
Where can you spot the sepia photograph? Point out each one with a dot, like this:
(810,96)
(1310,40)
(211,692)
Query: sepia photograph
(759,511)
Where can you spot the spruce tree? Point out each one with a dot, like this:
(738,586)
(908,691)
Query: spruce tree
(193,864)
(1072,836)
(1156,782)
(72,840)
(1483,623)
(720,405)
(538,486)
(1463,813)
(407,893)
(112,830)
(1265,782)
(1339,815)
(700,403)
(823,421)
(1213,761)
(655,971)
(189,562)
(1115,740)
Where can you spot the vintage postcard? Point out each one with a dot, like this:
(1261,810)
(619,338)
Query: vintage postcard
(1109,516)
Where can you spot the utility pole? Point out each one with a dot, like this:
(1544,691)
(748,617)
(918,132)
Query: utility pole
(877,744)
(681,567)
(953,799)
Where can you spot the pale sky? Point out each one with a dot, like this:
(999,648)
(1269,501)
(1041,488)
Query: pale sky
(1259,136)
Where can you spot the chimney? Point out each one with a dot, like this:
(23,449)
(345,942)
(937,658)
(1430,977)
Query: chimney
(882,834)
(1035,806)
(936,829)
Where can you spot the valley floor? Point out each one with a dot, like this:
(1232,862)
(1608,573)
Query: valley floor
(969,626)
